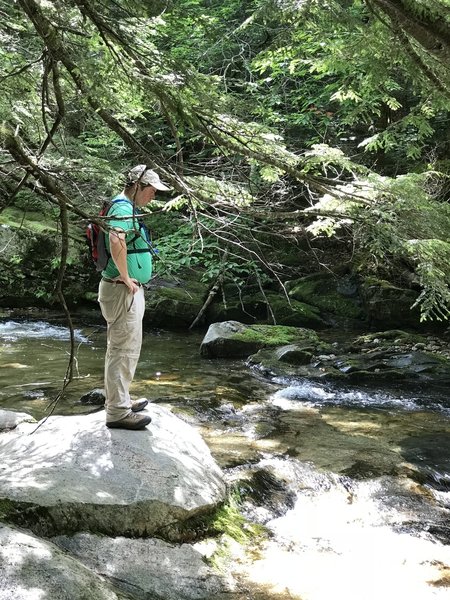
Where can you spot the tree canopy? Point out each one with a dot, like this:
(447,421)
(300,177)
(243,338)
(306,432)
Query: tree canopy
(287,119)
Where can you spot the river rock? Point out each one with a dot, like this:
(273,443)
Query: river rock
(174,306)
(9,419)
(77,474)
(33,568)
(233,339)
(95,397)
(335,297)
(159,569)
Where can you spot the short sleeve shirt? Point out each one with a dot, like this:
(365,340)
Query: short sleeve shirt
(139,263)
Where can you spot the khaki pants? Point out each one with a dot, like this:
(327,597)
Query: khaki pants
(123,314)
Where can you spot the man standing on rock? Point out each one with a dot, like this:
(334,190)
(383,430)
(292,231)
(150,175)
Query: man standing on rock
(121,296)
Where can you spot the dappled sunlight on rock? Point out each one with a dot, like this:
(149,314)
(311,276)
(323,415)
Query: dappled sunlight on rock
(82,475)
(33,569)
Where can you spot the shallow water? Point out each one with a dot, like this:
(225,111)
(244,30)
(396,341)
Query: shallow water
(355,430)
(378,458)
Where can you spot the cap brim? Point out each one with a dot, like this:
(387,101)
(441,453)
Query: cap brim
(160,186)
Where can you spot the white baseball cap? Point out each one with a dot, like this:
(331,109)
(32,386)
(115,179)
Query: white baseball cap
(146,177)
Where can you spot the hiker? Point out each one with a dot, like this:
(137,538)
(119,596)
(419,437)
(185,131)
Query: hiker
(121,296)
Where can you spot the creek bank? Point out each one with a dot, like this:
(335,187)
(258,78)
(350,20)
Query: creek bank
(74,474)
(317,300)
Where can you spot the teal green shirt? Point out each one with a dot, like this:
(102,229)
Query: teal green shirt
(139,263)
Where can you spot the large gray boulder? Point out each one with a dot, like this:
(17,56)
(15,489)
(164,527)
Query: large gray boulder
(159,569)
(77,475)
(32,568)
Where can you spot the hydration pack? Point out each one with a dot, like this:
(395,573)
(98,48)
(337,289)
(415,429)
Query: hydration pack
(96,238)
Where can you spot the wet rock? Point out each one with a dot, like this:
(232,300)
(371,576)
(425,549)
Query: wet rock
(36,568)
(293,354)
(9,419)
(75,474)
(95,397)
(370,357)
(147,568)
(267,489)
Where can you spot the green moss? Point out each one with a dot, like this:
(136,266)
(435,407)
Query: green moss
(232,526)
(321,291)
(6,508)
(293,312)
(276,335)
(381,283)
(18,219)
(91,296)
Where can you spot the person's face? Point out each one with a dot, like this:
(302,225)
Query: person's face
(144,194)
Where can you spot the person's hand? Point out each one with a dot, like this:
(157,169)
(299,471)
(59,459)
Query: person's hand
(131,284)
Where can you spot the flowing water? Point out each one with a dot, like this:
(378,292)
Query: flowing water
(351,481)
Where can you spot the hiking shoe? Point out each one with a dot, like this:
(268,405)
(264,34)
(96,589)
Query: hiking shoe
(131,421)
(138,405)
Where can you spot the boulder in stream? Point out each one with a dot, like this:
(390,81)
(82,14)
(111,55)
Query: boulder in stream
(231,339)
(74,474)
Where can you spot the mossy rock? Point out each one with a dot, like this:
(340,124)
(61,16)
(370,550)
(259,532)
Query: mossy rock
(388,305)
(330,295)
(266,308)
(294,313)
(174,306)
(277,335)
(234,339)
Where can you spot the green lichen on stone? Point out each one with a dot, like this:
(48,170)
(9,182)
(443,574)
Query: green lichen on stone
(381,283)
(174,305)
(321,291)
(277,335)
(292,312)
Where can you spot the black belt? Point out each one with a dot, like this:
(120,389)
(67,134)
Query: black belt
(108,280)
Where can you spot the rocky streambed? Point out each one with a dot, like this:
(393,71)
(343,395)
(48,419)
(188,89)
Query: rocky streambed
(335,480)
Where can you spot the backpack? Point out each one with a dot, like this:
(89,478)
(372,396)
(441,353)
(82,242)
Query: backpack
(96,238)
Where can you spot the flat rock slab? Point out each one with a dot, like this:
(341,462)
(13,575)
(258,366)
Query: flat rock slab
(78,475)
(36,569)
(9,419)
(148,568)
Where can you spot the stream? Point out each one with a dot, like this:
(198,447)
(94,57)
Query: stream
(352,482)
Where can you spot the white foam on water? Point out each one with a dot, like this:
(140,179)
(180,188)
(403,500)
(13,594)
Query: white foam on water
(313,394)
(15,330)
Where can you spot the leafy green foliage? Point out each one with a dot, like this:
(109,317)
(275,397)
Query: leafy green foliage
(253,110)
